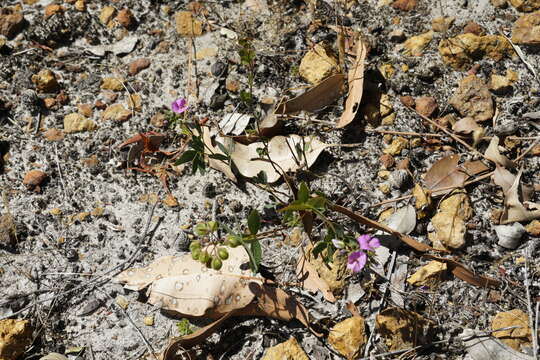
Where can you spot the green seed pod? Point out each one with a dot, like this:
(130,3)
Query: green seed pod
(201,229)
(216,263)
(233,241)
(204,257)
(223,253)
(195,254)
(195,245)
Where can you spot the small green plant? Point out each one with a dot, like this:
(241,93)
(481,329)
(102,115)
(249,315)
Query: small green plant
(247,58)
(185,327)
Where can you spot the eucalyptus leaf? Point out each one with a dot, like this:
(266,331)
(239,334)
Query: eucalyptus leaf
(254,222)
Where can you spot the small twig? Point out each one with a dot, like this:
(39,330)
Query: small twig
(443,129)
(403,133)
(60,173)
(518,51)
(148,345)
(527,151)
(529,306)
(443,188)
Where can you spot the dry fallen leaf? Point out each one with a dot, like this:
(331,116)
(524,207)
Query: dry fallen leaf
(323,94)
(356,86)
(234,123)
(211,149)
(445,173)
(492,153)
(187,287)
(465,126)
(310,279)
(482,347)
(287,153)
(514,210)
(428,275)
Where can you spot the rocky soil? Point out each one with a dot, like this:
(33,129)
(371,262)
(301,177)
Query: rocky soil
(78,78)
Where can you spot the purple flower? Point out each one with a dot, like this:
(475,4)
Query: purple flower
(368,243)
(179,105)
(356,261)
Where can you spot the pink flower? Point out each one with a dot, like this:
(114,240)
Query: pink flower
(368,243)
(356,261)
(179,105)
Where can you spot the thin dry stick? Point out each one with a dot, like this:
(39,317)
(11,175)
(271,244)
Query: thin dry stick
(452,135)
(443,188)
(149,347)
(529,306)
(60,173)
(403,133)
(385,293)
(528,150)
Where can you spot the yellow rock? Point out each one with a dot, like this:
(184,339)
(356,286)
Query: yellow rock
(45,81)
(429,275)
(387,70)
(460,51)
(135,102)
(449,222)
(442,24)
(385,188)
(15,336)
(386,107)
(525,5)
(80,5)
(99,211)
(206,53)
(55,211)
(498,83)
(513,337)
(76,122)
(112,83)
(122,302)
(533,228)
(106,15)
(288,350)
(389,119)
(422,201)
(403,329)
(383,174)
(170,201)
(415,45)
(397,145)
(116,112)
(385,214)
(186,25)
(415,142)
(317,64)
(348,337)
(149,320)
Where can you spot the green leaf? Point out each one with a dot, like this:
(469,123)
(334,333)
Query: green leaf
(254,222)
(218,157)
(256,251)
(296,205)
(319,248)
(222,148)
(317,202)
(187,156)
(303,192)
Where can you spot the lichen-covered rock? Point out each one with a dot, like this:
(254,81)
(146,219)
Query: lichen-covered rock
(526,29)
(473,99)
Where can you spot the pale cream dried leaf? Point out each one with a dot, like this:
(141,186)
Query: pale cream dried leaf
(211,149)
(465,126)
(321,95)
(514,210)
(443,174)
(204,294)
(492,153)
(282,151)
(310,279)
(503,178)
(356,86)
(139,278)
